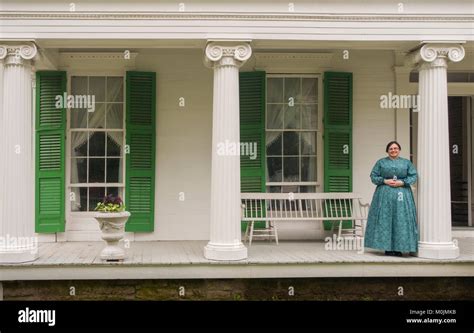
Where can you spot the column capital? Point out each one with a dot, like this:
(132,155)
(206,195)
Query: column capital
(437,54)
(227,53)
(17,54)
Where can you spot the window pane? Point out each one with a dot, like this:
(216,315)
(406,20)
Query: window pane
(115,191)
(97,118)
(308,143)
(292,117)
(297,142)
(273,142)
(114,171)
(290,169)
(79,199)
(292,90)
(79,143)
(97,144)
(308,169)
(96,170)
(310,90)
(114,143)
(96,195)
(274,169)
(291,143)
(78,118)
(79,85)
(97,88)
(309,116)
(115,115)
(275,116)
(307,189)
(274,189)
(78,170)
(288,189)
(114,89)
(275,90)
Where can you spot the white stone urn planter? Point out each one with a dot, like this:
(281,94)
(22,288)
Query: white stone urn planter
(112,226)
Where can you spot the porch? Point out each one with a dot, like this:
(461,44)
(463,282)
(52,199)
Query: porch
(184,260)
(184,185)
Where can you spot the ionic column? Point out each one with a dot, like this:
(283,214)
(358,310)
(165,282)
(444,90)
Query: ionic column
(434,187)
(17,182)
(225,236)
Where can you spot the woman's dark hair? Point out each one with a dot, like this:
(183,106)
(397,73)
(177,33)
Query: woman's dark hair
(391,143)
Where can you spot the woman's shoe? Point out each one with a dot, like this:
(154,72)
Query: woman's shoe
(397,254)
(389,253)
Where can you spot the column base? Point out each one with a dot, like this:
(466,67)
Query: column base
(431,250)
(12,256)
(214,251)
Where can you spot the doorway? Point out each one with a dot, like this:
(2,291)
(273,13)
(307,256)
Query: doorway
(461,141)
(461,123)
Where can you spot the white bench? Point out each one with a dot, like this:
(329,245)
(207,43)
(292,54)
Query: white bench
(270,208)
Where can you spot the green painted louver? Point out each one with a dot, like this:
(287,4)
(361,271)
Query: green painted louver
(140,161)
(337,133)
(50,153)
(252,130)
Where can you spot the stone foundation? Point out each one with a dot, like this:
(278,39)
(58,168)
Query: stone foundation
(353,289)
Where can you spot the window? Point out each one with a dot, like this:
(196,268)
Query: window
(96,140)
(292,133)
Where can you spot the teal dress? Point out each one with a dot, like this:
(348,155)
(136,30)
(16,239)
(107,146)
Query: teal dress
(391,224)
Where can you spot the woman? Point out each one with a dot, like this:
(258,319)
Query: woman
(391,224)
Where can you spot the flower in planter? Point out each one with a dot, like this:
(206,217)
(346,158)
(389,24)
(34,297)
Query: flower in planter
(110,204)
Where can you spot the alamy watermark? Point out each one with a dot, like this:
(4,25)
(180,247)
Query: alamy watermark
(228,148)
(14,243)
(76,102)
(37,316)
(352,243)
(394,101)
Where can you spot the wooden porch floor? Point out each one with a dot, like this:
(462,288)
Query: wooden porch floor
(184,259)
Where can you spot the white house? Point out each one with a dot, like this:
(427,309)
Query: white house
(150,100)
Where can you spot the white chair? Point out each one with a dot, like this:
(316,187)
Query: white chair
(269,231)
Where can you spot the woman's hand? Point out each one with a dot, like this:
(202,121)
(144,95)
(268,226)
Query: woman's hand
(393,183)
(389,182)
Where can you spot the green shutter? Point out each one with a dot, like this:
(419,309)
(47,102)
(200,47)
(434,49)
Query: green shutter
(140,160)
(252,129)
(337,132)
(50,153)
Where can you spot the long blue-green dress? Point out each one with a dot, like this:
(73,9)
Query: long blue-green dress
(391,224)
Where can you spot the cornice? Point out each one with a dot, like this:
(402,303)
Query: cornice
(282,62)
(97,56)
(98,60)
(5,15)
(293,56)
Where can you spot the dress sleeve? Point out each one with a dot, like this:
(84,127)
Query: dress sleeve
(412,176)
(375,175)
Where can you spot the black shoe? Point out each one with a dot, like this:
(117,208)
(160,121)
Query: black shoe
(397,254)
(389,253)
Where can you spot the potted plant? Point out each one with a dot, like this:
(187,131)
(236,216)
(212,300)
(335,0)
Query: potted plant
(112,218)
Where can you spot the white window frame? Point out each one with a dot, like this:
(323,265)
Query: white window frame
(68,165)
(319,133)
